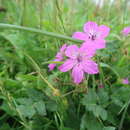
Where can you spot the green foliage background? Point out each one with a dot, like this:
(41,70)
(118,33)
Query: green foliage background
(27,100)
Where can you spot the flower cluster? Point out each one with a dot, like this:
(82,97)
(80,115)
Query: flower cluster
(79,59)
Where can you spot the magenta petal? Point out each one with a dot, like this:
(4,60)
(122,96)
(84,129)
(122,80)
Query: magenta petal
(77,74)
(62,49)
(103,31)
(90,27)
(126,31)
(88,49)
(51,66)
(59,56)
(72,51)
(99,44)
(79,35)
(125,81)
(68,64)
(90,67)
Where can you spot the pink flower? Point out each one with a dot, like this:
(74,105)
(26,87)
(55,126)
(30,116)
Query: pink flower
(125,81)
(53,65)
(126,31)
(59,57)
(79,60)
(93,35)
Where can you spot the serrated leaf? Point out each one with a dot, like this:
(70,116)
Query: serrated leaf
(90,122)
(103,114)
(103,96)
(90,98)
(40,107)
(98,111)
(90,101)
(26,111)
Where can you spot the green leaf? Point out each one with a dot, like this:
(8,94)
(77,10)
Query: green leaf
(109,128)
(90,122)
(83,122)
(103,97)
(108,66)
(99,111)
(40,107)
(90,98)
(7,109)
(26,111)
(51,106)
(90,101)
(5,127)
(103,113)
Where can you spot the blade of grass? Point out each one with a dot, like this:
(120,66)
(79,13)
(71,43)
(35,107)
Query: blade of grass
(40,74)
(108,66)
(51,34)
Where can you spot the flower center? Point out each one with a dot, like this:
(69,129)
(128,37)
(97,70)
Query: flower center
(92,36)
(79,58)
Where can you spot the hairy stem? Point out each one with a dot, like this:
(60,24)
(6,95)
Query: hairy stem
(50,34)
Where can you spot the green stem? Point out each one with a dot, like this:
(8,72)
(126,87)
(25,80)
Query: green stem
(51,34)
(39,72)
(101,75)
(94,82)
(123,116)
(52,62)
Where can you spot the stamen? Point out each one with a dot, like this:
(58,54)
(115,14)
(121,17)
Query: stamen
(92,36)
(79,58)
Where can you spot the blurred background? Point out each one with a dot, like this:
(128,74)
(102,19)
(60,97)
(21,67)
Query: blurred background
(26,100)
